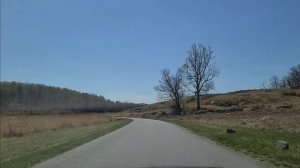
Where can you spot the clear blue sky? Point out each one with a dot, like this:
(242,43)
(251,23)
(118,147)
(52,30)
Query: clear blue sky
(117,48)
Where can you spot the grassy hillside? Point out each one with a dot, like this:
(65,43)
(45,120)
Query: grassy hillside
(35,97)
(250,100)
(278,109)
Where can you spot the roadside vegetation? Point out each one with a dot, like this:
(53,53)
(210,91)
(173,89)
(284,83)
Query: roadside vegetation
(31,145)
(18,125)
(258,143)
(259,117)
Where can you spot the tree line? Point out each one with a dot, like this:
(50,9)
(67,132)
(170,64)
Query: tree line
(195,75)
(291,80)
(24,97)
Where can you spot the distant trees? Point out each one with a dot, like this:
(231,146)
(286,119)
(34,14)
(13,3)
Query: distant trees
(275,82)
(292,80)
(199,70)
(171,87)
(196,76)
(34,97)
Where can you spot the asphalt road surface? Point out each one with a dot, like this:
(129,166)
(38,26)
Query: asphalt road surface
(150,143)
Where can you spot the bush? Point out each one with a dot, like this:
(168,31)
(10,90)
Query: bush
(290,93)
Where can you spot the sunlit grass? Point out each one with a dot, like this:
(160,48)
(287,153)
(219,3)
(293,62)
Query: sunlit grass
(21,124)
(258,143)
(30,149)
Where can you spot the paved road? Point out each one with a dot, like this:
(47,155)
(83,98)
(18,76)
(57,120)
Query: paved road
(150,143)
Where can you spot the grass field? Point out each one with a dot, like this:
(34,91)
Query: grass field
(258,143)
(32,148)
(20,125)
(288,121)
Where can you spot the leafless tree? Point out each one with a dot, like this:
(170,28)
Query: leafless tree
(199,70)
(170,87)
(275,82)
(263,86)
(284,82)
(292,80)
(294,77)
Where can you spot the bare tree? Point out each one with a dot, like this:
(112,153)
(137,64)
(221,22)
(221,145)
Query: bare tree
(292,80)
(170,87)
(294,77)
(199,70)
(263,86)
(284,82)
(275,82)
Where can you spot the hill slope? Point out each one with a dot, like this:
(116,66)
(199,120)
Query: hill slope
(279,109)
(35,97)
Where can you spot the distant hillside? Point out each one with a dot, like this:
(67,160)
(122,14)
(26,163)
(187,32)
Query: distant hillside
(267,100)
(23,97)
(268,108)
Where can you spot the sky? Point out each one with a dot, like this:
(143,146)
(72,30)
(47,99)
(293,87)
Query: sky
(117,48)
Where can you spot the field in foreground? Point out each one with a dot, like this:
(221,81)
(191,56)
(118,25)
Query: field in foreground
(257,143)
(17,125)
(30,149)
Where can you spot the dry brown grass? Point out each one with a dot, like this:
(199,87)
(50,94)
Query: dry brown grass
(267,100)
(289,121)
(266,109)
(271,100)
(19,125)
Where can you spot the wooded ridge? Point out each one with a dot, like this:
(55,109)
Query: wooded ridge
(26,97)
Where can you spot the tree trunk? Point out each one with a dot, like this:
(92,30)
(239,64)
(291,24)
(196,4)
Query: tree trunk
(178,105)
(198,101)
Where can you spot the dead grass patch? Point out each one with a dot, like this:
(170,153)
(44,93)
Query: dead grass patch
(19,125)
(289,121)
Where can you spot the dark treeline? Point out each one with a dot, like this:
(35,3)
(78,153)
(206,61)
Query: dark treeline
(24,97)
(291,80)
